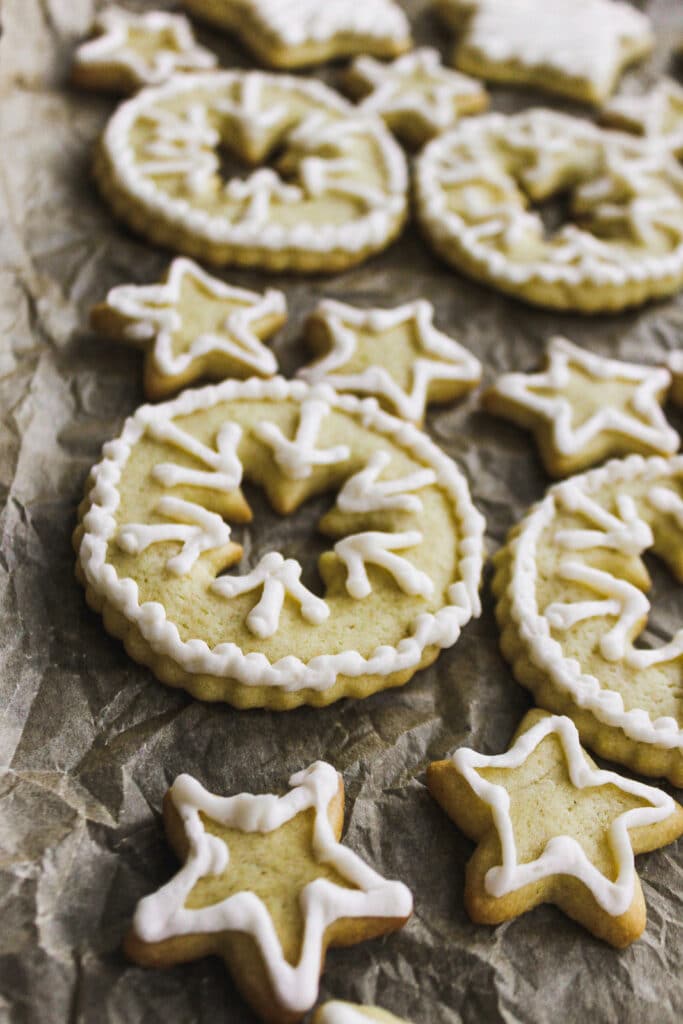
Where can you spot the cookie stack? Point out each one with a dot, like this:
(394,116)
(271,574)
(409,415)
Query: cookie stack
(266,882)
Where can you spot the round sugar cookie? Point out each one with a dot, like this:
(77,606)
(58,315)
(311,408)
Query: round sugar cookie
(337,193)
(154,543)
(571,588)
(623,244)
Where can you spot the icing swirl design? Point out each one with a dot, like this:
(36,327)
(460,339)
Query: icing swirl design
(337,195)
(571,601)
(474,184)
(153,543)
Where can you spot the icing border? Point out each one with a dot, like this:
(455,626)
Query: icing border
(226,660)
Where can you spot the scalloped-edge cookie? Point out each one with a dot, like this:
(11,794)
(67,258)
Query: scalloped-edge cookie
(299,33)
(415,95)
(623,243)
(571,588)
(133,50)
(338,1012)
(154,544)
(583,408)
(394,355)
(266,885)
(551,827)
(577,48)
(192,326)
(337,194)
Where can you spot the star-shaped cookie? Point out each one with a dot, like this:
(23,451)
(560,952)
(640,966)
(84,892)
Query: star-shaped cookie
(657,115)
(266,885)
(577,48)
(675,365)
(396,355)
(416,95)
(337,1012)
(551,827)
(134,50)
(583,407)
(193,325)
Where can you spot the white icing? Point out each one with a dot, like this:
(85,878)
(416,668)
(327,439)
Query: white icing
(444,358)
(278,578)
(377,548)
(297,23)
(207,532)
(164,915)
(113,46)
(483,161)
(297,457)
(181,144)
(416,84)
(626,532)
(226,660)
(588,692)
(657,114)
(184,144)
(225,469)
(362,492)
(644,421)
(580,39)
(621,600)
(156,315)
(563,855)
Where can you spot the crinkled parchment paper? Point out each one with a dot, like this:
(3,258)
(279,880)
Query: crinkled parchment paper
(90,740)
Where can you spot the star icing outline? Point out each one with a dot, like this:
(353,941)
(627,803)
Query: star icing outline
(391,90)
(445,359)
(557,411)
(111,46)
(562,854)
(163,915)
(155,317)
(647,114)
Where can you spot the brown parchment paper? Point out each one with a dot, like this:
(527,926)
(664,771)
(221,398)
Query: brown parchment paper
(90,740)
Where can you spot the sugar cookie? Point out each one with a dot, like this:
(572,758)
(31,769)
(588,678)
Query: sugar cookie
(266,885)
(583,407)
(577,48)
(474,185)
(570,585)
(551,827)
(657,115)
(193,325)
(396,355)
(337,1012)
(298,33)
(153,540)
(338,195)
(675,365)
(133,50)
(416,95)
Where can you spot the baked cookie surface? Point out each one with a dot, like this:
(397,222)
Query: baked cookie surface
(577,48)
(416,95)
(266,885)
(623,244)
(192,326)
(552,827)
(571,589)
(133,50)
(154,538)
(584,407)
(338,1012)
(394,355)
(336,195)
(298,33)
(656,115)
